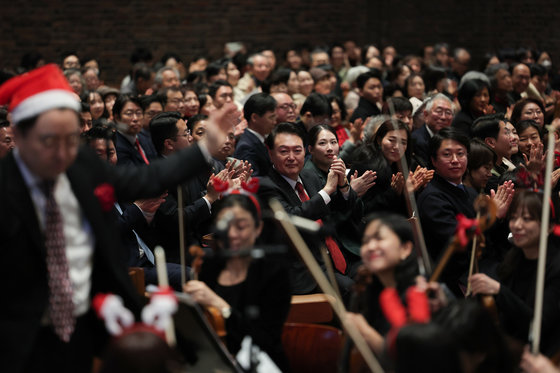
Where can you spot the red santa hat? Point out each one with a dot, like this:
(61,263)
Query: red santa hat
(37,91)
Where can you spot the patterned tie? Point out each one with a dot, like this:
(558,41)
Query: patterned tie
(60,287)
(142,154)
(334,249)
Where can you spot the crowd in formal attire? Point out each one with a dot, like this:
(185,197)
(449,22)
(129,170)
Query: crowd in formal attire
(353,138)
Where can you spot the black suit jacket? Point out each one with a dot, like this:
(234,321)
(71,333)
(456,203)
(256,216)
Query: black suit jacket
(25,278)
(127,154)
(275,186)
(250,148)
(421,139)
(365,109)
(438,206)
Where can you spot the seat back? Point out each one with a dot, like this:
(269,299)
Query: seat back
(311,347)
(312,308)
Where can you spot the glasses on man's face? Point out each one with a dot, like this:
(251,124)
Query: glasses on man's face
(176,101)
(53,141)
(287,107)
(130,113)
(441,112)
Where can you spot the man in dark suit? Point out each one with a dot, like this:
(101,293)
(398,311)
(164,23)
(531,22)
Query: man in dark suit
(132,149)
(438,114)
(305,197)
(170,135)
(370,88)
(445,197)
(259,111)
(56,201)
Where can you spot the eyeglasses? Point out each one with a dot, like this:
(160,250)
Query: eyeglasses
(442,112)
(52,141)
(287,107)
(448,156)
(130,113)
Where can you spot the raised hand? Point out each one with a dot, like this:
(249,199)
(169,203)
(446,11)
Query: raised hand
(502,198)
(361,184)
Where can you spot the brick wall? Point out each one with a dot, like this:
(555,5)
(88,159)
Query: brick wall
(111,29)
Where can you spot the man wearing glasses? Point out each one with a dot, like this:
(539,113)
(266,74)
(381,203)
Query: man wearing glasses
(131,148)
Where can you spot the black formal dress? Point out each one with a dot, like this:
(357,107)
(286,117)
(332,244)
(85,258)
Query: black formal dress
(260,304)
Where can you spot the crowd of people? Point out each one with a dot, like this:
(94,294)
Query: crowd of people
(341,135)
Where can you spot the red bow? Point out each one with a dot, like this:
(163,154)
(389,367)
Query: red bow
(220,185)
(464,224)
(105,193)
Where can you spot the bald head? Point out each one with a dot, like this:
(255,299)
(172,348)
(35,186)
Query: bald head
(286,109)
(520,76)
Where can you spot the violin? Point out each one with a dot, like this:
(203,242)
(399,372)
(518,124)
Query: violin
(213,315)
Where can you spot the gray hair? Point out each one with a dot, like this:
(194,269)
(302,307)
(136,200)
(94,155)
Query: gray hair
(372,125)
(439,96)
(159,75)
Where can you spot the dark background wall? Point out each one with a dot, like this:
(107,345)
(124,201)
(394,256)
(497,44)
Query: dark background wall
(110,29)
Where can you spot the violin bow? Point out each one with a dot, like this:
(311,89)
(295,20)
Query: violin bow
(535,332)
(163,283)
(424,262)
(336,303)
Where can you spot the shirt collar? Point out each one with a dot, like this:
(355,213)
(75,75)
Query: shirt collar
(259,136)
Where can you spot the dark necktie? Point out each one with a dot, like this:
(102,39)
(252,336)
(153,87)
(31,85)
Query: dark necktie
(141,152)
(334,249)
(60,287)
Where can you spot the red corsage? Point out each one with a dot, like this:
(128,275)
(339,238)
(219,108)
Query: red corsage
(105,193)
(465,225)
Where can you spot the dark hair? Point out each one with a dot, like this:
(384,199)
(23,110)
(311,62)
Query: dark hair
(260,104)
(89,94)
(538,70)
(522,126)
(474,331)
(316,104)
(314,132)
(213,69)
(480,154)
(191,123)
(334,98)
(468,90)
(487,126)
(141,70)
(163,126)
(280,76)
(84,107)
(146,101)
(362,79)
(162,95)
(215,86)
(447,134)
(408,82)
(520,105)
(284,127)
(400,105)
(120,103)
(98,132)
(426,348)
(406,270)
(241,200)
(388,126)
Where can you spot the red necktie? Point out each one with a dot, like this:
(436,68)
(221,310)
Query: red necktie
(139,148)
(334,249)
(61,307)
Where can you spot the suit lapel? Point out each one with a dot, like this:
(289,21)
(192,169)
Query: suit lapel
(20,201)
(285,187)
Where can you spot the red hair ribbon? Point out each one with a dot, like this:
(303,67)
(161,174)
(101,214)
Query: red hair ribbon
(464,224)
(248,189)
(396,314)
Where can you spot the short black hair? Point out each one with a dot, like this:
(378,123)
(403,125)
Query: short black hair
(121,101)
(146,101)
(480,154)
(317,104)
(194,120)
(364,77)
(487,126)
(98,132)
(215,86)
(259,103)
(163,126)
(447,134)
(284,127)
(400,105)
